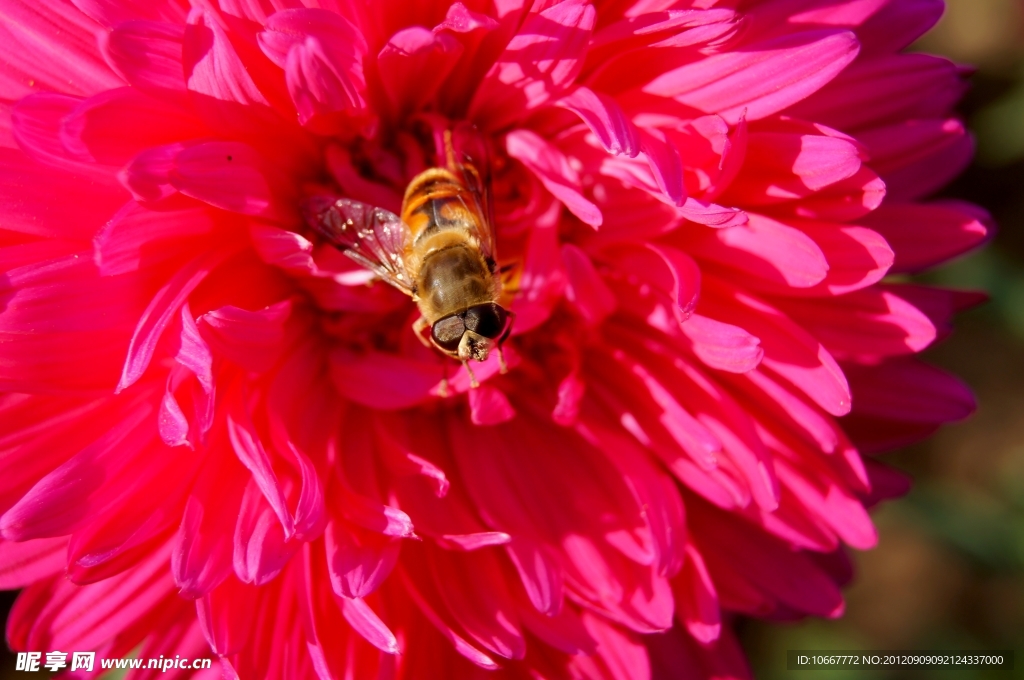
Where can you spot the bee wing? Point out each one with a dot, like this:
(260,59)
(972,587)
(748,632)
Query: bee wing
(374,237)
(472,166)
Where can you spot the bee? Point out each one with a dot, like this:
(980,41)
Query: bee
(440,252)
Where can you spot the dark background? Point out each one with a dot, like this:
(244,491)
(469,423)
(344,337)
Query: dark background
(949,569)
(948,572)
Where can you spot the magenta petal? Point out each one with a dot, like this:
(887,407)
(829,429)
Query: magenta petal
(322,54)
(766,249)
(922,235)
(118,247)
(697,599)
(489,406)
(722,346)
(228,175)
(605,118)
(927,394)
(541,60)
(147,54)
(50,46)
(540,573)
(366,622)
(763,78)
(585,287)
(31,561)
(148,175)
(358,561)
(384,381)
(669,270)
(414,64)
(161,309)
(552,168)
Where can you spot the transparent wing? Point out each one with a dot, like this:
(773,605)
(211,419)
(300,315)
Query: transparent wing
(373,237)
(469,156)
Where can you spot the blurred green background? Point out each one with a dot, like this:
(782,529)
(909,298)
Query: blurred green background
(948,572)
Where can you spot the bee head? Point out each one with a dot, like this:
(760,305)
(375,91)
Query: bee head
(471,334)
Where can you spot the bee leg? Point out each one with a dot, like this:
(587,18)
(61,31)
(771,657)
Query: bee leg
(442,391)
(418,326)
(502,366)
(472,378)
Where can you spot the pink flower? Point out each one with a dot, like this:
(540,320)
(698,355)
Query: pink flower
(219,434)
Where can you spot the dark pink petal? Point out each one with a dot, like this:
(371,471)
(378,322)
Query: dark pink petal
(722,659)
(865,323)
(653,490)
(73,493)
(229,175)
(226,615)
(845,200)
(29,561)
(481,605)
(696,598)
(722,346)
(918,157)
(540,573)
(322,54)
(737,555)
(113,12)
(50,46)
(665,164)
(857,257)
(225,93)
(119,246)
(554,171)
(538,64)
(46,202)
(875,92)
(358,560)
(670,271)
(563,630)
(789,350)
(384,381)
(414,64)
(620,654)
(585,287)
(763,248)
(489,406)
(787,161)
(251,339)
(36,123)
(605,118)
(922,235)
(909,390)
(201,551)
(52,430)
(112,127)
(57,614)
(261,549)
(162,308)
(763,78)
(897,25)
(712,215)
(147,54)
(428,609)
(148,175)
(366,622)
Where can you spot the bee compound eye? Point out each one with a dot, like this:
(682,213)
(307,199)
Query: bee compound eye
(487,320)
(447,332)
